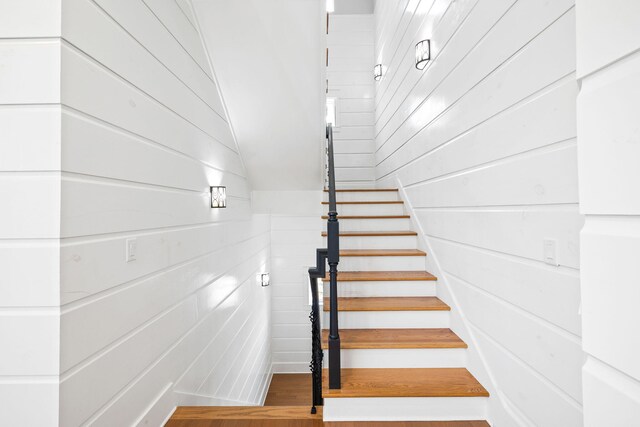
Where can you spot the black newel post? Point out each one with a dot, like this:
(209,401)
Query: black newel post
(334,335)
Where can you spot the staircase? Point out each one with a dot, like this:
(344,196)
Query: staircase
(399,359)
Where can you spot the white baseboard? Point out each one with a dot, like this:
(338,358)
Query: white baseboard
(291,368)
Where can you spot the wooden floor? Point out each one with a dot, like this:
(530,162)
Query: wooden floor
(284,416)
(407,424)
(287,404)
(245,416)
(289,390)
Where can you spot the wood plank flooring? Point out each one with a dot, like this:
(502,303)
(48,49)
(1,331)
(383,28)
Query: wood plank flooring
(243,421)
(285,410)
(289,390)
(408,424)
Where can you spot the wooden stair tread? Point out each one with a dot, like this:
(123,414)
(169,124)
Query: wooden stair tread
(378,276)
(362,190)
(396,338)
(244,412)
(374,233)
(381,252)
(341,217)
(399,382)
(372,202)
(389,304)
(283,416)
(476,423)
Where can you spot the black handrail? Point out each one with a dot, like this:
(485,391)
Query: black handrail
(332,255)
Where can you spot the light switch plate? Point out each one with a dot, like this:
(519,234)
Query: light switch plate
(550,254)
(132,250)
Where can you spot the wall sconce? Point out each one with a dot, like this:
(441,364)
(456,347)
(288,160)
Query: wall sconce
(218,197)
(423,54)
(377,72)
(264,279)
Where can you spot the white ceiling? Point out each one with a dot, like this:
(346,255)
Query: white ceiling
(268,59)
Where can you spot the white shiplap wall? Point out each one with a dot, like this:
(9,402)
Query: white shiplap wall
(295,235)
(30,212)
(483,144)
(608,47)
(188,315)
(350,80)
(117,131)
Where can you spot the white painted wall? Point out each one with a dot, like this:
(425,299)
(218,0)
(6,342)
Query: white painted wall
(350,81)
(30,214)
(608,47)
(483,144)
(268,57)
(295,234)
(113,128)
(350,7)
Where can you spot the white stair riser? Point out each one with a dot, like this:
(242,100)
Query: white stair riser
(376,242)
(352,185)
(391,224)
(368,209)
(405,409)
(390,319)
(388,263)
(401,358)
(363,196)
(385,289)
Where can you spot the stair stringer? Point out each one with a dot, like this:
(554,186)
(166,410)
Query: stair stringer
(500,411)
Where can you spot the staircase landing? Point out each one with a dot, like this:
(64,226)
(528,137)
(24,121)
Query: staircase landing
(283,416)
(287,407)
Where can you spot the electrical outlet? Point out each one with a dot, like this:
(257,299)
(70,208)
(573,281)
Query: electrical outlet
(132,250)
(550,252)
